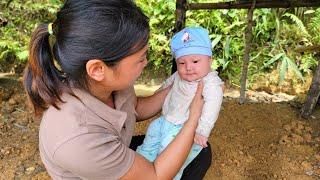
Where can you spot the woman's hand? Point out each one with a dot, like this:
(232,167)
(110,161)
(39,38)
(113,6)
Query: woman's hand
(196,105)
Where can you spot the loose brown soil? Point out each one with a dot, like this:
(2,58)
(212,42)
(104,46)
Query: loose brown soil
(257,140)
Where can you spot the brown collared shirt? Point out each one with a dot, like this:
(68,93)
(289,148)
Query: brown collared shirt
(87,139)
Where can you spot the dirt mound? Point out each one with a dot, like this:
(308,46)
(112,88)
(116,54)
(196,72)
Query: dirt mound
(257,140)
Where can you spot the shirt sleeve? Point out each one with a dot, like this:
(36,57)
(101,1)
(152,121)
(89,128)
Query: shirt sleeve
(213,95)
(95,156)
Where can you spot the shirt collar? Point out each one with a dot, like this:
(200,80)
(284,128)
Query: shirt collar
(114,116)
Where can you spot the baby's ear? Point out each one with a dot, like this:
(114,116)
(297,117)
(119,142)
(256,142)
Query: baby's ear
(210,59)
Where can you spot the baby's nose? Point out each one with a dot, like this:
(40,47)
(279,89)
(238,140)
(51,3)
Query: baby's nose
(188,67)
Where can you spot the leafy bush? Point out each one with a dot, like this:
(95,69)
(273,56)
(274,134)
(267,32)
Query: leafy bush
(276,32)
(18,19)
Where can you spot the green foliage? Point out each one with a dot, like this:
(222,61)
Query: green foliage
(314,25)
(276,32)
(13,47)
(19,18)
(286,63)
(273,31)
(298,22)
(226,29)
(162,18)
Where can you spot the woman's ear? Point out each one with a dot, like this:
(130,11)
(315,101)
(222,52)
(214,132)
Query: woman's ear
(96,69)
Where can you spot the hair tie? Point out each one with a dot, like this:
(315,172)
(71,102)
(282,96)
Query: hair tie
(50,28)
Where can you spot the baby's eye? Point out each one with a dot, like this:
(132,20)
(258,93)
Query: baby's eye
(195,61)
(181,63)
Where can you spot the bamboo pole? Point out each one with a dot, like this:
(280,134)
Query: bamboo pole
(246,54)
(313,93)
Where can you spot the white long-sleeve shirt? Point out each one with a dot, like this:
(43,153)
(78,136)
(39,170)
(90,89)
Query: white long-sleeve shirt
(176,105)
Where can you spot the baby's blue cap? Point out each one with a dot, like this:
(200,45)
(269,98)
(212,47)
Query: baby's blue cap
(191,40)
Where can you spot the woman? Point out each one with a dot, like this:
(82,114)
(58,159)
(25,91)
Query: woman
(83,89)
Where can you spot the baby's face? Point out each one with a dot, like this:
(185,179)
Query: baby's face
(193,67)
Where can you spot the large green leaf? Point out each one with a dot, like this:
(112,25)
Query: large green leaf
(216,41)
(294,67)
(273,59)
(299,23)
(283,70)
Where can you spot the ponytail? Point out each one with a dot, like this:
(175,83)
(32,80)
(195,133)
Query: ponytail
(43,81)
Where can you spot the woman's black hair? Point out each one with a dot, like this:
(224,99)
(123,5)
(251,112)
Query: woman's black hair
(108,30)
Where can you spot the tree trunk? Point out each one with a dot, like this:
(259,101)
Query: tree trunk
(181,8)
(246,54)
(313,94)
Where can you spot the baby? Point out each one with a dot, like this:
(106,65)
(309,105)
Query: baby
(192,50)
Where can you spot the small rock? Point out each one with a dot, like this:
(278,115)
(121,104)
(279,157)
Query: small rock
(30,170)
(317,171)
(297,139)
(307,137)
(275,176)
(6,152)
(12,101)
(300,126)
(306,166)
(309,129)
(287,127)
(297,130)
(293,124)
(317,156)
(2,123)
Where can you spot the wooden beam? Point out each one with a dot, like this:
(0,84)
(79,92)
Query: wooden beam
(259,4)
(246,57)
(315,48)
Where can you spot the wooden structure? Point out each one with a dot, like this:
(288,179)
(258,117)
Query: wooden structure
(182,6)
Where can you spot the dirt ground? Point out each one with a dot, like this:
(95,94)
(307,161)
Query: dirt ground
(262,139)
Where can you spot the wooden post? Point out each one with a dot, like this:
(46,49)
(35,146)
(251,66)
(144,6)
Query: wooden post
(246,53)
(181,8)
(246,4)
(313,94)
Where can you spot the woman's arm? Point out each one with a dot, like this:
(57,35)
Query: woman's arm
(168,163)
(148,107)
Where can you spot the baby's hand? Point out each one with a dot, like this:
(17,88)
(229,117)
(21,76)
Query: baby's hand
(200,140)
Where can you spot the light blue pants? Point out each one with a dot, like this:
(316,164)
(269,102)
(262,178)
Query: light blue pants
(159,135)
